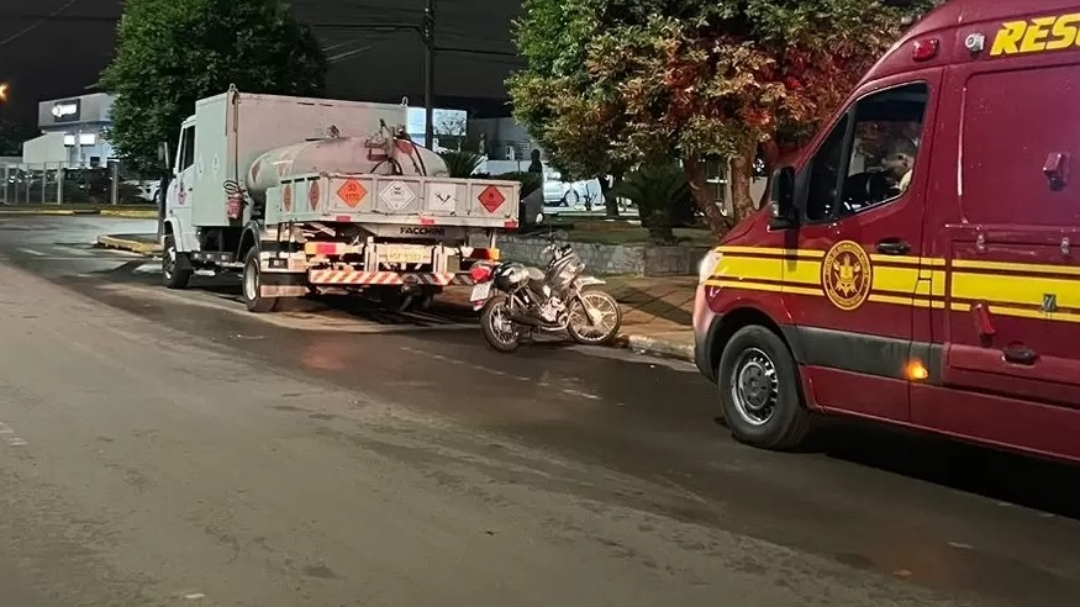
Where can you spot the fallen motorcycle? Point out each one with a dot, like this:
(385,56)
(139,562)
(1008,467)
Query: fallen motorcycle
(518,300)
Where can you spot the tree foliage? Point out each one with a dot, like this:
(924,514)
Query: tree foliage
(13,135)
(170,53)
(624,82)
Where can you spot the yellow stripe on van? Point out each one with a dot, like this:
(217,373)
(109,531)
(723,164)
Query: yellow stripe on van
(1013,289)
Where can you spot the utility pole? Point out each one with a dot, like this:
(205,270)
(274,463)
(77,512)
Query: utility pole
(428,34)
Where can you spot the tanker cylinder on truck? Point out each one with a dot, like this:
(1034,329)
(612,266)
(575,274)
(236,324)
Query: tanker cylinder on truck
(377,155)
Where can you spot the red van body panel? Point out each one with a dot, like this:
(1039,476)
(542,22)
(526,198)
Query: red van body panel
(970,274)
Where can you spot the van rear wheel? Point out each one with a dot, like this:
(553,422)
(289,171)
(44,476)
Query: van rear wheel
(760,391)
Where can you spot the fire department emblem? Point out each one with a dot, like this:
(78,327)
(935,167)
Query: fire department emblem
(846,275)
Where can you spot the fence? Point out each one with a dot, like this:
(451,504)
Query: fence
(59,183)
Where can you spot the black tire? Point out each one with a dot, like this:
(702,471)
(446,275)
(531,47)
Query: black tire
(251,284)
(612,333)
(754,349)
(487,326)
(172,276)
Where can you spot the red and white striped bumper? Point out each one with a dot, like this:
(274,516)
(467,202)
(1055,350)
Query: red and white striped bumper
(349,277)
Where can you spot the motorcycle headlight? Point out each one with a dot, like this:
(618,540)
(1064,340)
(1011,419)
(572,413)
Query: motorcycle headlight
(707,268)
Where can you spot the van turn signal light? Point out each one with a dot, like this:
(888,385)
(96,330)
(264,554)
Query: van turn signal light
(916,371)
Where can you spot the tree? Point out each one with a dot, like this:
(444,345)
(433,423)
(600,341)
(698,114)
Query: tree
(170,53)
(13,135)
(630,82)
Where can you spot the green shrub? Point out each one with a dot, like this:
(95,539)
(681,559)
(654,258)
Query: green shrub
(461,164)
(663,198)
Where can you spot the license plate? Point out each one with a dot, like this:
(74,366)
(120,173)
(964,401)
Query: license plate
(480,292)
(404,254)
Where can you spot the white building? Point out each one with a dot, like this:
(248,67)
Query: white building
(73,132)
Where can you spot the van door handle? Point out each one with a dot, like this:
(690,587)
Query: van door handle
(1019,355)
(893,246)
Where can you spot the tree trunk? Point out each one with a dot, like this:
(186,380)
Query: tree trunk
(741,177)
(695,175)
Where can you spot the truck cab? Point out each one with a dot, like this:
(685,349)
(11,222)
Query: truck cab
(915,264)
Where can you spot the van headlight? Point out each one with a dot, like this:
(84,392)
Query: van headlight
(708,265)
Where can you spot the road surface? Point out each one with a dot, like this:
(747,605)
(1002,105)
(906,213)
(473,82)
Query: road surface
(167,448)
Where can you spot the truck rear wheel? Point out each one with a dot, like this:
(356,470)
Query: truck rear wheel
(172,274)
(252,285)
(760,391)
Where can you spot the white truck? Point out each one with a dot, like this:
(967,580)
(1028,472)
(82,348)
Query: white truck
(307,196)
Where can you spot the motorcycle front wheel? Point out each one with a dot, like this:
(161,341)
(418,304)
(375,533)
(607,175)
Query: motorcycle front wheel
(595,318)
(500,332)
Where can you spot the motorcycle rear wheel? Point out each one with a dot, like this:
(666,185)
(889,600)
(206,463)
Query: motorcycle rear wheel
(501,333)
(584,332)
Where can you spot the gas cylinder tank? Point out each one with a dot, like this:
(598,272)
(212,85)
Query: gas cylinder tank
(350,155)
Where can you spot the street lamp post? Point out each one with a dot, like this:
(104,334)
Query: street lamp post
(428,34)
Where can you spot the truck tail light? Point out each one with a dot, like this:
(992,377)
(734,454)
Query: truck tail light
(926,49)
(480,272)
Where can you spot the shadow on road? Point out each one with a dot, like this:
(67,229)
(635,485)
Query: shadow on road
(1006,477)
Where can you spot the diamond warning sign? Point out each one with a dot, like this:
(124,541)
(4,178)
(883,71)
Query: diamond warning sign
(286,198)
(352,193)
(491,199)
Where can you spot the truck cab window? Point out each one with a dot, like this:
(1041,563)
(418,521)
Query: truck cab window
(187,149)
(888,129)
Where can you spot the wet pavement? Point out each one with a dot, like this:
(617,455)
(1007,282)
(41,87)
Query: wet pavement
(870,516)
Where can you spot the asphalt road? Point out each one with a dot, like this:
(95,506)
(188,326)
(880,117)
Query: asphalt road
(166,448)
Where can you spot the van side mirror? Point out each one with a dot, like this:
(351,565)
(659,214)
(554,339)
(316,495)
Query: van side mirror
(782,199)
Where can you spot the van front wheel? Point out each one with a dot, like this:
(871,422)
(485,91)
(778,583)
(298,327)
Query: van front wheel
(760,391)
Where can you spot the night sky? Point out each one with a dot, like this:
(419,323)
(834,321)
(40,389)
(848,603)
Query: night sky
(61,57)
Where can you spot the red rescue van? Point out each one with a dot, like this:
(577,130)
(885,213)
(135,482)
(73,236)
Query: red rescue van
(919,263)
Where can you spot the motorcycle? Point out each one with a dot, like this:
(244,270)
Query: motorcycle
(518,300)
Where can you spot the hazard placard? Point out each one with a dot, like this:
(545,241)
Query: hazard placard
(352,193)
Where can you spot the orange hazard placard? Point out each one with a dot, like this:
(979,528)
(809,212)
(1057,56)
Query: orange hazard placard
(352,193)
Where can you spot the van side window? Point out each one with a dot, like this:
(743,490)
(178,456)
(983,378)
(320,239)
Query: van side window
(187,151)
(888,129)
(824,174)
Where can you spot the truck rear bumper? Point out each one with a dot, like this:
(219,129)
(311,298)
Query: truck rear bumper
(281,284)
(352,277)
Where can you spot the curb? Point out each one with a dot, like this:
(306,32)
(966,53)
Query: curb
(124,244)
(643,344)
(46,213)
(129,213)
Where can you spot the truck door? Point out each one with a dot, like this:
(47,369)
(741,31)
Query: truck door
(1011,239)
(178,199)
(855,284)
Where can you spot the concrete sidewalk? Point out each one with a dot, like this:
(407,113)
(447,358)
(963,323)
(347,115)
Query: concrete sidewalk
(657,312)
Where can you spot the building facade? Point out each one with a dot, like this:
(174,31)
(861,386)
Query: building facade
(74,132)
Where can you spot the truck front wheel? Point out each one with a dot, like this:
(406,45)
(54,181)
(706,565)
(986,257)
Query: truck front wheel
(173,273)
(760,391)
(252,285)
